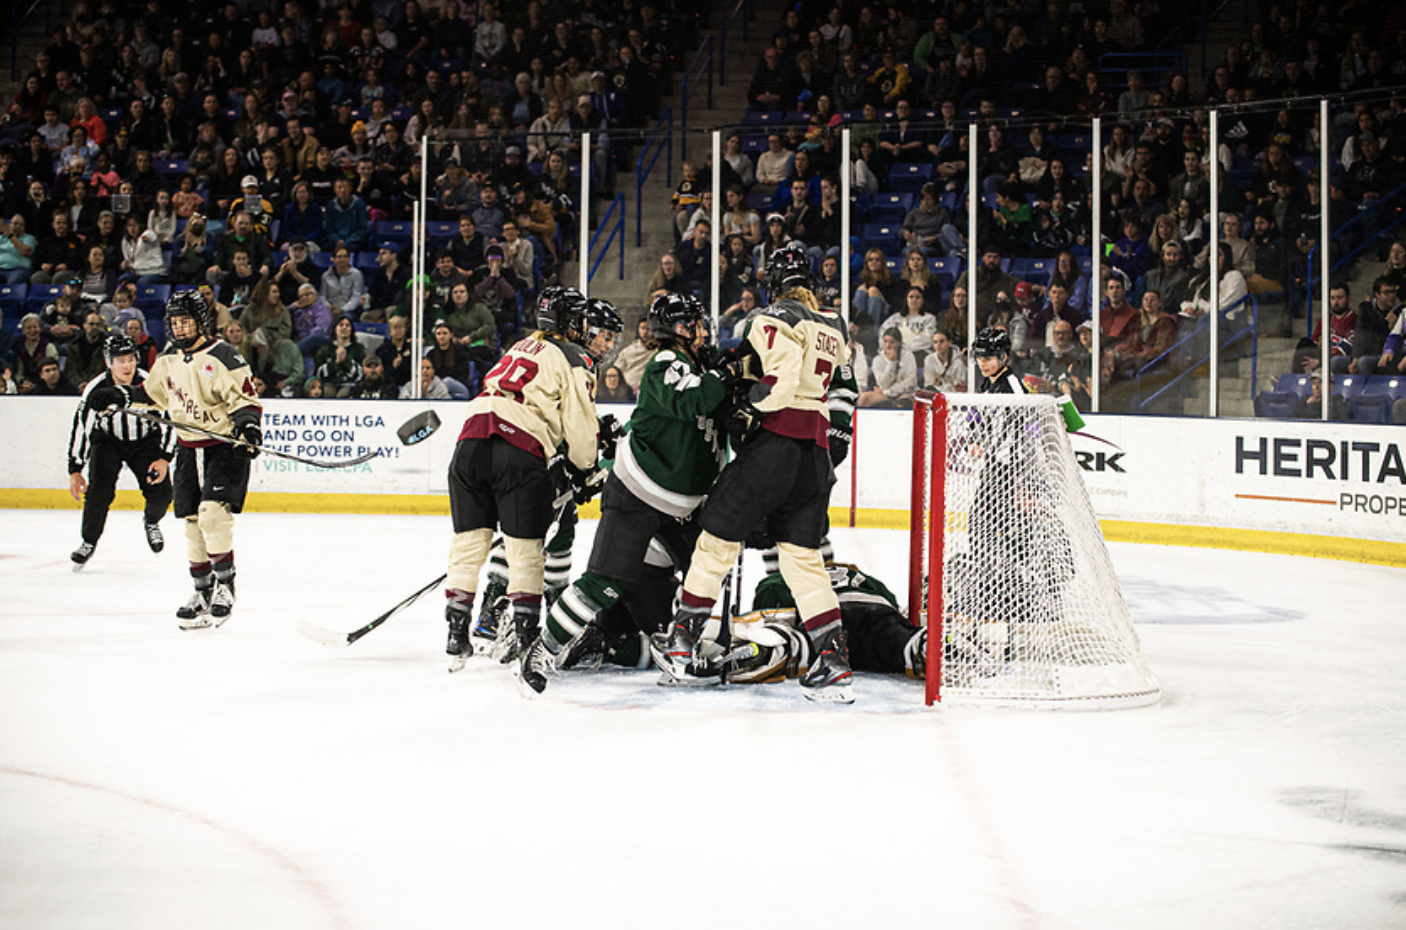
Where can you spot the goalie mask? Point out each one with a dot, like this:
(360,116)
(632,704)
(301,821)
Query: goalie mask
(192,305)
(789,268)
(602,325)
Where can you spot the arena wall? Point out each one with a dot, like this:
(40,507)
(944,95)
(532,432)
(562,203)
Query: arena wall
(1333,490)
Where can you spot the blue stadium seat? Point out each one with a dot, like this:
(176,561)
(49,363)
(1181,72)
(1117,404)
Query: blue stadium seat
(41,294)
(322,259)
(172,166)
(12,297)
(909,178)
(883,236)
(1027,267)
(761,118)
(890,208)
(950,265)
(397,230)
(441,232)
(1299,385)
(366,261)
(153,295)
(1373,403)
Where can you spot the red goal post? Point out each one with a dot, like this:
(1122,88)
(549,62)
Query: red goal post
(1008,568)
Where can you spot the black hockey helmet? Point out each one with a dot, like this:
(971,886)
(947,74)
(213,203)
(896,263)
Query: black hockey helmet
(991,343)
(190,303)
(670,310)
(789,267)
(562,310)
(601,317)
(118,345)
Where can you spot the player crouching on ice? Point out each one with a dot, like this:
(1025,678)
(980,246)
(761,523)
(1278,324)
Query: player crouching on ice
(537,398)
(779,481)
(105,445)
(663,468)
(201,381)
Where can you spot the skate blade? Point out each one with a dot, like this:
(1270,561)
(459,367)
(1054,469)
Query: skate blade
(830,694)
(79,566)
(483,647)
(670,680)
(523,688)
(457,663)
(197,623)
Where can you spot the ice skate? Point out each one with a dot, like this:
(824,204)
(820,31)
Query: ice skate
(533,668)
(517,626)
(82,554)
(491,620)
(829,678)
(457,646)
(676,651)
(586,650)
(195,614)
(154,539)
(222,601)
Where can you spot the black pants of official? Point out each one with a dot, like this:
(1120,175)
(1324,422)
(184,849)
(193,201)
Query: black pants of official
(104,465)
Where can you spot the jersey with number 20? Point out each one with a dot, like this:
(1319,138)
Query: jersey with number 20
(538,396)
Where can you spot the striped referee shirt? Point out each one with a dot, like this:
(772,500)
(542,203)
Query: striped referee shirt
(87,422)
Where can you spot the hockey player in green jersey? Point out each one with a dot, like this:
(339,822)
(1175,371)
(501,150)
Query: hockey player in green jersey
(880,637)
(664,466)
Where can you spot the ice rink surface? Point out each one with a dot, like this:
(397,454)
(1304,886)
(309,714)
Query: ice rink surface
(246,777)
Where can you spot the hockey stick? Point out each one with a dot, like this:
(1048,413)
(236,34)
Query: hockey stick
(332,638)
(233,441)
(416,429)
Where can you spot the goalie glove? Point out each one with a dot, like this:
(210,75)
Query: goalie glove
(250,438)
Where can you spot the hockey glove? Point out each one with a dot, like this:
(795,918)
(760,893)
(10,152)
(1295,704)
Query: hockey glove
(111,397)
(250,439)
(741,420)
(586,484)
(609,434)
(840,438)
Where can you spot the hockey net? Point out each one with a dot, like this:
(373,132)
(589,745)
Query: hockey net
(1008,567)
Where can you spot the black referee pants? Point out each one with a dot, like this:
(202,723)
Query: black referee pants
(104,465)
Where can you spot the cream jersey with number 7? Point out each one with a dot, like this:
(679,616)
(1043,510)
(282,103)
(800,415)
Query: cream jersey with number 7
(800,350)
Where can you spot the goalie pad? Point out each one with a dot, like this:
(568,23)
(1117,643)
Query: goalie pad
(781,647)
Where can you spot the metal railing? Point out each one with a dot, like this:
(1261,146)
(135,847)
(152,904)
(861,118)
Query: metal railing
(655,144)
(740,10)
(616,229)
(1184,350)
(18,17)
(699,70)
(1395,200)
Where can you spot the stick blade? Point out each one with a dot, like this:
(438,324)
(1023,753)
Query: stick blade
(322,635)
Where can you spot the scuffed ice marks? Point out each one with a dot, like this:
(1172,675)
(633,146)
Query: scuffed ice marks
(1151,601)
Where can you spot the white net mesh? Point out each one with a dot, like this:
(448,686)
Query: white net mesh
(1032,611)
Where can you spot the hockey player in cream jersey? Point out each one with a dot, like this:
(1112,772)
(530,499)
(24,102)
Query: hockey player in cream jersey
(663,467)
(202,381)
(780,482)
(536,399)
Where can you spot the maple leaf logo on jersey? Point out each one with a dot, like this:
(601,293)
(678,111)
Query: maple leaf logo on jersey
(208,369)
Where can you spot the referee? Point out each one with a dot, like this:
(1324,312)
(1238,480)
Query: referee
(105,444)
